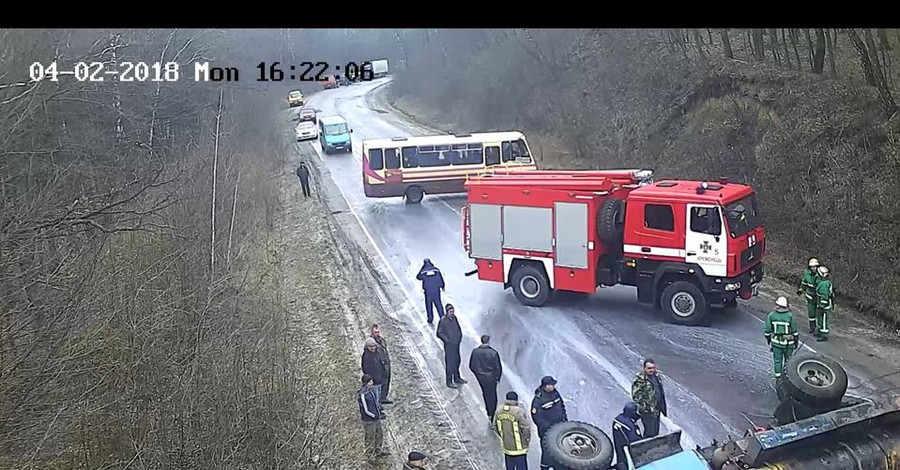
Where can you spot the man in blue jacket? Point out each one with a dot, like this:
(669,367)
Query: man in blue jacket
(371,416)
(432,284)
(547,409)
(625,431)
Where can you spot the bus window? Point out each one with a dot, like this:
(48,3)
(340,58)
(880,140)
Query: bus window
(506,150)
(428,156)
(491,155)
(391,159)
(376,159)
(410,159)
(513,150)
(471,154)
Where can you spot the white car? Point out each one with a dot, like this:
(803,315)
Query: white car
(307,130)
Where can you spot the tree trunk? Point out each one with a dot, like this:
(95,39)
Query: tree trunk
(884,47)
(787,53)
(809,48)
(818,64)
(759,45)
(774,45)
(698,41)
(749,41)
(794,35)
(831,65)
(874,76)
(709,33)
(726,44)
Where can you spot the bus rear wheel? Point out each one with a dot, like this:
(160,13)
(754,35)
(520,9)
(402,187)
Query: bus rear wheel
(414,195)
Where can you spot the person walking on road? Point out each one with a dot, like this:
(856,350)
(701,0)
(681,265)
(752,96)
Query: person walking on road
(415,461)
(303,174)
(382,351)
(547,409)
(449,332)
(808,281)
(432,285)
(370,413)
(512,425)
(485,365)
(825,296)
(648,392)
(373,366)
(781,334)
(625,431)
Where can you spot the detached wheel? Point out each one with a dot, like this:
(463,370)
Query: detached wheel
(610,221)
(576,445)
(530,285)
(815,380)
(684,303)
(414,195)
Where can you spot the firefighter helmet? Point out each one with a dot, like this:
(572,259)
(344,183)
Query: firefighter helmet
(813,263)
(781,302)
(823,271)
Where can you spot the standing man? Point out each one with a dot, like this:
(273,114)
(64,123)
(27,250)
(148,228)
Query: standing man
(511,424)
(432,284)
(370,413)
(825,294)
(547,409)
(303,173)
(647,391)
(808,281)
(449,332)
(625,431)
(485,365)
(781,334)
(382,351)
(373,366)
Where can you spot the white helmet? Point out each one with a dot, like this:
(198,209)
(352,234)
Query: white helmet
(781,302)
(823,271)
(813,263)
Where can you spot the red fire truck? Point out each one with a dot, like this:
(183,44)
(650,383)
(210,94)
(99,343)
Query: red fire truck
(686,246)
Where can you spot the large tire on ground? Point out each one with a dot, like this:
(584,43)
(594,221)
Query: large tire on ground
(575,445)
(684,303)
(610,217)
(414,195)
(530,284)
(815,380)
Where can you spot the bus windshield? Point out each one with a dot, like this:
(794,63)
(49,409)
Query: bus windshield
(335,129)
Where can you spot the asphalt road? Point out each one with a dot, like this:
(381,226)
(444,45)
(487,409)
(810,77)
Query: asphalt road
(592,345)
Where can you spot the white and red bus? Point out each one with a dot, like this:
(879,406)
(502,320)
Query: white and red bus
(440,164)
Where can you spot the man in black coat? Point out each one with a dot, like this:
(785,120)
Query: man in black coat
(303,174)
(385,360)
(547,409)
(449,332)
(373,365)
(485,365)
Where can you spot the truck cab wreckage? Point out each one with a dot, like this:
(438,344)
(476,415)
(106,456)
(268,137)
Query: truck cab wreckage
(814,428)
(686,246)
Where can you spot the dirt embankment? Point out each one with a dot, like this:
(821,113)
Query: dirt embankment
(339,295)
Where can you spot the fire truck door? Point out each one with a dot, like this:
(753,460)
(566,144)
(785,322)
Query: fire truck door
(704,242)
(571,227)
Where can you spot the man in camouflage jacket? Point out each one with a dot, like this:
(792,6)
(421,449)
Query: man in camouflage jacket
(647,391)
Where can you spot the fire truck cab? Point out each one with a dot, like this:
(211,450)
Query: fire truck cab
(686,246)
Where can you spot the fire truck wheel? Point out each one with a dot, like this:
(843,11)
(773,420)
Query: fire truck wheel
(414,195)
(609,226)
(815,380)
(578,446)
(684,303)
(530,285)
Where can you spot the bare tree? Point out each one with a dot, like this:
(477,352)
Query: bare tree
(726,43)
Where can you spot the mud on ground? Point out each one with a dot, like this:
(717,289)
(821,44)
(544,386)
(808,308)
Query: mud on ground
(338,299)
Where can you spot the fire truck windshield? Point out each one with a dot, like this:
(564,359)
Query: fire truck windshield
(742,216)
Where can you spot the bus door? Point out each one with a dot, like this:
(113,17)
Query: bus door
(392,168)
(491,154)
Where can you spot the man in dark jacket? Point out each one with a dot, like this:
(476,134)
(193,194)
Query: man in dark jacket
(371,416)
(485,365)
(625,431)
(547,409)
(382,350)
(303,174)
(432,284)
(449,332)
(415,461)
(373,365)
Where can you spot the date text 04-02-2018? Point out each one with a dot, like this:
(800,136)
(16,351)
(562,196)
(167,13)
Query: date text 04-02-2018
(314,71)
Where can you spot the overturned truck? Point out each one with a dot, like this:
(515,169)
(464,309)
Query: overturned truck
(816,427)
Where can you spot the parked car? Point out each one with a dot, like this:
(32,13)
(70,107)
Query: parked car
(307,130)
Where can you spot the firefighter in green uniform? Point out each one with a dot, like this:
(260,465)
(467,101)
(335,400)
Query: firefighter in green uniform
(825,294)
(808,289)
(781,334)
